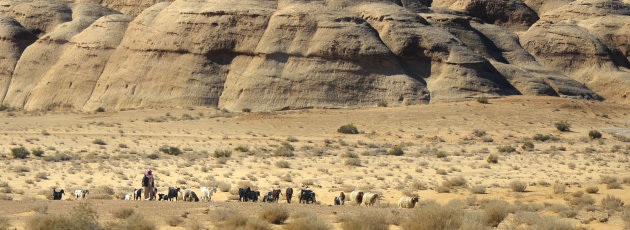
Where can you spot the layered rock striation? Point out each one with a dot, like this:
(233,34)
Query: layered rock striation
(289,54)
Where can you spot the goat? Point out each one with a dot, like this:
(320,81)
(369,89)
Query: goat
(57,195)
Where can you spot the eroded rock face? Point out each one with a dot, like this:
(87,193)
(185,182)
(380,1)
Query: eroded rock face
(39,57)
(129,7)
(285,54)
(13,40)
(512,13)
(576,52)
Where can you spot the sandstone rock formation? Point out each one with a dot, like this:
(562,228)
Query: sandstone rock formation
(286,54)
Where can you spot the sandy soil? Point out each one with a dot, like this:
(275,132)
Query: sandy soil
(109,152)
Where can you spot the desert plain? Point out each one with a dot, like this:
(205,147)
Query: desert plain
(571,180)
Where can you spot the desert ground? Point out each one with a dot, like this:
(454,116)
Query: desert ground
(571,179)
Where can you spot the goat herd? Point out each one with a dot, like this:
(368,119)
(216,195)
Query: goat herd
(247,194)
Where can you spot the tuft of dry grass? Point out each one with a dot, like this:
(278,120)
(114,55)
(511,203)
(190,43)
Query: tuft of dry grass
(4,223)
(495,211)
(132,222)
(559,188)
(478,189)
(283,164)
(536,221)
(364,220)
(275,214)
(230,219)
(592,189)
(611,202)
(434,217)
(122,213)
(307,221)
(174,221)
(82,216)
(518,186)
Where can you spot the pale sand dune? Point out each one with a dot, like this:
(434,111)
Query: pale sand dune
(508,121)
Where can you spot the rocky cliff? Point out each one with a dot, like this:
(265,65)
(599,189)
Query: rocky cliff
(286,54)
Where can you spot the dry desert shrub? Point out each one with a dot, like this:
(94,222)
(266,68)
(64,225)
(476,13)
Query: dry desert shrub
(625,216)
(224,186)
(434,217)
(353,162)
(41,208)
(455,182)
(562,210)
(275,214)
(82,216)
(493,159)
(495,211)
(518,186)
(122,213)
(532,220)
(174,221)
(134,221)
(442,189)
(592,189)
(563,126)
(230,219)
(285,150)
(364,221)
(559,188)
(611,202)
(306,221)
(582,201)
(282,164)
(478,189)
(4,223)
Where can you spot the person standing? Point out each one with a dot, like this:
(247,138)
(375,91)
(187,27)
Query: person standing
(147,185)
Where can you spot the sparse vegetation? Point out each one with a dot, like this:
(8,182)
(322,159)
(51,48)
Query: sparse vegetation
(306,221)
(506,149)
(275,214)
(348,129)
(478,189)
(528,146)
(174,221)
(611,203)
(100,110)
(518,186)
(435,217)
(122,213)
(4,223)
(594,134)
(283,164)
(396,151)
(563,126)
(99,142)
(20,152)
(83,216)
(495,211)
(482,99)
(493,159)
(38,152)
(592,189)
(171,150)
(541,137)
(285,150)
(222,153)
(242,148)
(353,162)
(382,103)
(246,110)
(230,219)
(364,220)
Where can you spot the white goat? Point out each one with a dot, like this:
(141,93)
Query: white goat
(206,193)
